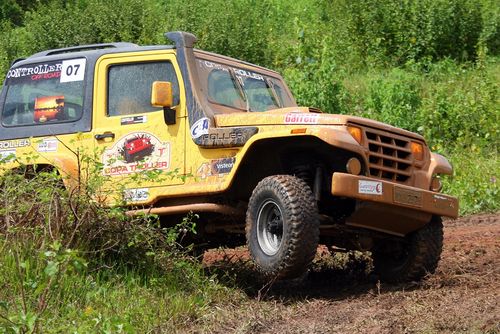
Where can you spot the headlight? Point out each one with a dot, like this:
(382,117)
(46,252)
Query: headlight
(418,150)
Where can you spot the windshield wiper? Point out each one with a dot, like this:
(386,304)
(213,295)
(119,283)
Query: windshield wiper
(270,85)
(239,87)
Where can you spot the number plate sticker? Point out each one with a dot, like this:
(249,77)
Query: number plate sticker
(73,70)
(407,197)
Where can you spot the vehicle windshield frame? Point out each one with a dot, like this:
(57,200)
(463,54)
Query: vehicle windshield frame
(237,77)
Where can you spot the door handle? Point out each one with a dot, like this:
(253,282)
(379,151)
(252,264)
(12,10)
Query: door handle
(104,135)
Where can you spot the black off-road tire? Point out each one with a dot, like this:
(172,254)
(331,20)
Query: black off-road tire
(417,255)
(291,198)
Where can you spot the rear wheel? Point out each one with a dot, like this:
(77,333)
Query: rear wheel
(411,258)
(282,226)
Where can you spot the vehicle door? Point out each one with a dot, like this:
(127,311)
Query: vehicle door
(139,151)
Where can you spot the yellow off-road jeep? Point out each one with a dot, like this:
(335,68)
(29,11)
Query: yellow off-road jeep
(252,163)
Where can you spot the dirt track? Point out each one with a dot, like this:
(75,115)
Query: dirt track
(462,296)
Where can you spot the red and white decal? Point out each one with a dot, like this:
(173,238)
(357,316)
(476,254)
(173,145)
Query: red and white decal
(134,153)
(301,118)
(370,187)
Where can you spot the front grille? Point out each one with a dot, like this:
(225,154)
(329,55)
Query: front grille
(389,156)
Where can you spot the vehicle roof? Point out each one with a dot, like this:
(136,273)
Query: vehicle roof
(92,51)
(97,50)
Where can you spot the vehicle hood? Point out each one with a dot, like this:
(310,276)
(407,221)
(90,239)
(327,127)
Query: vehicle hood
(303,116)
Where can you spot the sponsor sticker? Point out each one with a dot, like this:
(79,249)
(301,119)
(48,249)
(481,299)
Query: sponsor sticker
(216,167)
(136,195)
(133,120)
(14,143)
(48,145)
(223,166)
(7,155)
(238,71)
(370,187)
(50,70)
(200,128)
(301,118)
(136,152)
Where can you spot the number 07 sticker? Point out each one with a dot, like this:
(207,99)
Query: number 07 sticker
(73,70)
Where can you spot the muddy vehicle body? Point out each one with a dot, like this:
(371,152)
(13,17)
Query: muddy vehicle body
(255,165)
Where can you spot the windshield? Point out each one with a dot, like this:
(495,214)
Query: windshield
(242,89)
(44,93)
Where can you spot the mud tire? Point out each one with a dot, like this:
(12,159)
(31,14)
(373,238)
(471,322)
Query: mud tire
(291,198)
(418,256)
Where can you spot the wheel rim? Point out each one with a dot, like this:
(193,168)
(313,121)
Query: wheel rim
(397,256)
(270,227)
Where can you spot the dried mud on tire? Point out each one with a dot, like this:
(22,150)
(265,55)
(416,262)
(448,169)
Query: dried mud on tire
(462,296)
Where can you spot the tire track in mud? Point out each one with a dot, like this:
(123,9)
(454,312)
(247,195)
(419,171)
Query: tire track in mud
(462,296)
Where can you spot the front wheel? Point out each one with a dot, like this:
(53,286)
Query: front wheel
(282,226)
(411,258)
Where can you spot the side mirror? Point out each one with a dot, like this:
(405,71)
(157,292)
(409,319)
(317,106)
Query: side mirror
(161,96)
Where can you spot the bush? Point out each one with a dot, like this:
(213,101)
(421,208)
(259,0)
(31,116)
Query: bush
(395,32)
(461,108)
(475,181)
(395,98)
(71,263)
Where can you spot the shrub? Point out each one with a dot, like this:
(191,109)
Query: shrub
(395,32)
(395,98)
(461,108)
(55,241)
(475,181)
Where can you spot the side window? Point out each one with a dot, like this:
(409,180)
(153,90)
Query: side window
(129,86)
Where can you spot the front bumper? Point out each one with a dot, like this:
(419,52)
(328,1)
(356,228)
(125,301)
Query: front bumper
(393,194)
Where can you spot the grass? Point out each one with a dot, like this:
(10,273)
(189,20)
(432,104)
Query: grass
(92,269)
(117,299)
(475,181)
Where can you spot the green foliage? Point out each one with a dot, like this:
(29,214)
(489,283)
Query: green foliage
(475,181)
(427,66)
(395,32)
(461,106)
(394,98)
(71,263)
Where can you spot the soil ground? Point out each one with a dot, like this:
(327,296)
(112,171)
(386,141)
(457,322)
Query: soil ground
(341,295)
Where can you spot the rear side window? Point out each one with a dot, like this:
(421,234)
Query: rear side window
(222,90)
(44,93)
(129,86)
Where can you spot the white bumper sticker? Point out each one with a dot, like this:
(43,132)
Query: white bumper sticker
(370,187)
(136,195)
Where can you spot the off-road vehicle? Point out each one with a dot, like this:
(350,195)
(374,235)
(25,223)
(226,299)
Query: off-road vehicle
(252,163)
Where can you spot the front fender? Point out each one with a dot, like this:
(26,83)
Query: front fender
(439,165)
